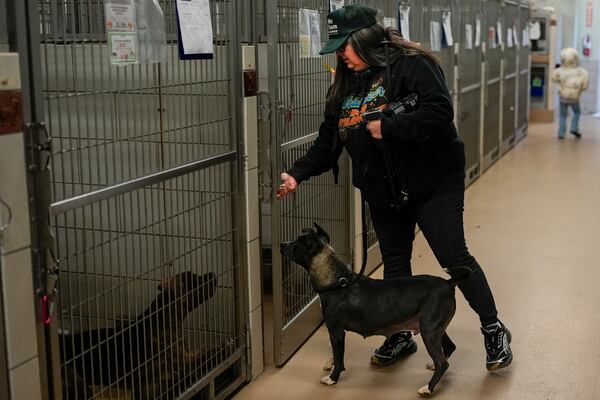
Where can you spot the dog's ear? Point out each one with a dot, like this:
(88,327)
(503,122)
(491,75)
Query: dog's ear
(321,232)
(167,284)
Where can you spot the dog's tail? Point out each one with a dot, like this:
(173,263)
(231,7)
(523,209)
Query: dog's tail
(458,274)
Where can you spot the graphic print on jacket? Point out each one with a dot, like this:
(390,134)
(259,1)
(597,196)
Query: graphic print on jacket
(368,170)
(356,104)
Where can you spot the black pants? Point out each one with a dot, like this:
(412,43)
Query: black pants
(440,217)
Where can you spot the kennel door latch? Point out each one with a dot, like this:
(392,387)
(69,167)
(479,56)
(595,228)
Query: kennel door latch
(48,299)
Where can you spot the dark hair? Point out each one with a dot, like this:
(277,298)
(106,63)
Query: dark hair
(367,44)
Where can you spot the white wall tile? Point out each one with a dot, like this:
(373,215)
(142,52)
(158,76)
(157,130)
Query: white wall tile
(252,205)
(25,381)
(251,132)
(254,275)
(256,342)
(17,286)
(13,191)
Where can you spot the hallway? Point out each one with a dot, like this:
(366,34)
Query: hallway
(533,223)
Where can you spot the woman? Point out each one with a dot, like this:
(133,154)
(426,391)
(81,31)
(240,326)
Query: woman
(426,154)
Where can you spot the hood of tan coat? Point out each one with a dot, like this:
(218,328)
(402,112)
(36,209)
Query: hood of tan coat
(569,58)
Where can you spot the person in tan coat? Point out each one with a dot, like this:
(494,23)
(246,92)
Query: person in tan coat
(572,80)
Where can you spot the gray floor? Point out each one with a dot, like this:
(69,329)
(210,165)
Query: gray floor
(533,223)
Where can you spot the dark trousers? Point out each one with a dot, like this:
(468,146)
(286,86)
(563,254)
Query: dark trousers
(440,217)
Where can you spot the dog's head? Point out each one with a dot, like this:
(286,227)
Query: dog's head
(188,289)
(306,247)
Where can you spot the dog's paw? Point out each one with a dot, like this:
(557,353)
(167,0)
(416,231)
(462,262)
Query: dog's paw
(430,366)
(424,391)
(326,380)
(328,366)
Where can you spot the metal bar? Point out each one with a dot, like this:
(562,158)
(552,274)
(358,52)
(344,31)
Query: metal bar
(125,187)
(470,88)
(493,81)
(292,144)
(510,76)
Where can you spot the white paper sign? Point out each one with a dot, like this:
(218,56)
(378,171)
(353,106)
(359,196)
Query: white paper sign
(525,37)
(535,30)
(516,36)
(509,38)
(390,22)
(404,21)
(499,33)
(120,17)
(123,48)
(195,26)
(469,36)
(336,4)
(435,35)
(447,18)
(309,33)
(478,31)
(492,44)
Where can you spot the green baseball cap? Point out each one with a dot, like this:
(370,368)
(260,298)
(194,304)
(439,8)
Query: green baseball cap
(344,21)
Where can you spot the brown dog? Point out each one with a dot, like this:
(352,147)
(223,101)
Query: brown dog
(145,355)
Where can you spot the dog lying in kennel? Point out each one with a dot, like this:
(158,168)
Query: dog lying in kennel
(142,356)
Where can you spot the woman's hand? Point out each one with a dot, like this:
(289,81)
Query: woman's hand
(288,185)
(374,127)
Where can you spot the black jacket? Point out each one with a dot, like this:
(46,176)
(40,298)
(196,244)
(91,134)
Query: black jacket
(424,143)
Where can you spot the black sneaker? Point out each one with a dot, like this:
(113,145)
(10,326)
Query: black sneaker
(397,346)
(577,134)
(497,346)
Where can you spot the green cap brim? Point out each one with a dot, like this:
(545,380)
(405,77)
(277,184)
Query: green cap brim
(333,44)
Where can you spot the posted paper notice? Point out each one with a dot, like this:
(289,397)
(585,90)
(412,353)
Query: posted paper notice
(195,26)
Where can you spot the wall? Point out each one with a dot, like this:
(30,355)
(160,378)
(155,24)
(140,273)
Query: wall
(589,99)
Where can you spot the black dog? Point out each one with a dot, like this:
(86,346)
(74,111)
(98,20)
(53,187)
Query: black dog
(144,355)
(421,303)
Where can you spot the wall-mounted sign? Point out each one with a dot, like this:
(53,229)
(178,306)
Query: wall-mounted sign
(589,14)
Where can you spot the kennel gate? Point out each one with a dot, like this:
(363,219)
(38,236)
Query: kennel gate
(145,185)
(468,77)
(492,83)
(432,12)
(524,69)
(510,78)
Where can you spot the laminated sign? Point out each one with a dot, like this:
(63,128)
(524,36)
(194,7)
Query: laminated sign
(390,22)
(492,43)
(435,35)
(525,36)
(469,36)
(335,4)
(500,39)
(309,33)
(478,31)
(404,13)
(447,23)
(122,33)
(195,32)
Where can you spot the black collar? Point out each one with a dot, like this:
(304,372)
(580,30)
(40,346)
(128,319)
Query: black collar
(343,282)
